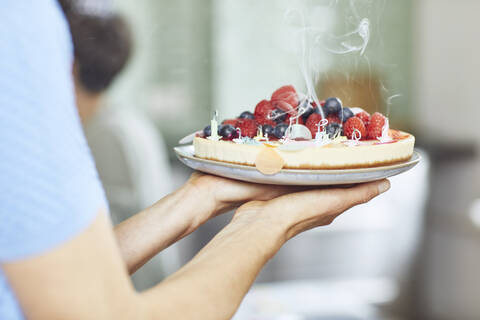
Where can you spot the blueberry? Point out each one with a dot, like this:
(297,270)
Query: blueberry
(345,114)
(207,131)
(228,132)
(268,130)
(317,111)
(247,115)
(332,129)
(306,109)
(280,130)
(332,106)
(278,115)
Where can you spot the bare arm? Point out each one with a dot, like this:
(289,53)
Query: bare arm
(213,284)
(86,278)
(145,234)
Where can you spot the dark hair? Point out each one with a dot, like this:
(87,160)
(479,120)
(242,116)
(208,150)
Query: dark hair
(102,46)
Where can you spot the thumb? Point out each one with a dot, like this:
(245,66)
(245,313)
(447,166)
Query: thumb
(309,209)
(363,193)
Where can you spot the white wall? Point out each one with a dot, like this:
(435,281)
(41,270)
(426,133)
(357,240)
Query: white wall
(255,50)
(448,68)
(447,108)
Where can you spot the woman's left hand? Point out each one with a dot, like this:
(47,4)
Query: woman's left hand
(220,195)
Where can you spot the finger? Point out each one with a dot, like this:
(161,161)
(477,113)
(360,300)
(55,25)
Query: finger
(363,193)
(239,194)
(268,192)
(245,191)
(328,203)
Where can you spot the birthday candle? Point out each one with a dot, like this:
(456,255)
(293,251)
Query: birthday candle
(214,127)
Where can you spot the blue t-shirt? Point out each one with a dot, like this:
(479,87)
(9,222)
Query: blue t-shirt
(49,188)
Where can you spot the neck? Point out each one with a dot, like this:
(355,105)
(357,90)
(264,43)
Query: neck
(87,104)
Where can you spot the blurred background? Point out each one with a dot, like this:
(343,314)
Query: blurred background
(413,253)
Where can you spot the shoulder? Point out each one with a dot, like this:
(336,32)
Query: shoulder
(39,22)
(49,186)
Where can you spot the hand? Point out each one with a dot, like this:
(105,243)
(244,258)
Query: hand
(294,213)
(222,194)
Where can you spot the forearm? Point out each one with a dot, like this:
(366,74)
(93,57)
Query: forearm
(152,230)
(212,285)
(175,216)
(89,279)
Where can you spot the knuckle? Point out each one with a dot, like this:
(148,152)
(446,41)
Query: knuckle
(366,195)
(364,198)
(330,220)
(371,193)
(337,203)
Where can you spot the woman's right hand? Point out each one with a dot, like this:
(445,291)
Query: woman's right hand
(294,213)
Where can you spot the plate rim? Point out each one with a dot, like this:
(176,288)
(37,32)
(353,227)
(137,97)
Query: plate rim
(414,160)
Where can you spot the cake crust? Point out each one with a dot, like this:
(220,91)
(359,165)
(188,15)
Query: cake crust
(366,166)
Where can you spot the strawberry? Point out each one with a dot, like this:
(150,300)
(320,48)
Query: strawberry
(287,119)
(312,122)
(285,98)
(333,118)
(354,124)
(263,110)
(282,105)
(300,121)
(365,117)
(375,127)
(263,122)
(248,127)
(233,122)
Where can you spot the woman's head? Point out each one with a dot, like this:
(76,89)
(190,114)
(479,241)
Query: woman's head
(102,47)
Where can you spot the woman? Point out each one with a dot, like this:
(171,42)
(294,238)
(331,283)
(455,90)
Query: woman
(60,257)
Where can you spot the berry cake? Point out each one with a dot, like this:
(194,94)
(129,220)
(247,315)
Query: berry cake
(292,131)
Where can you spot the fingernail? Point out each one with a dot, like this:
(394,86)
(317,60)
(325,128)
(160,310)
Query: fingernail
(384,186)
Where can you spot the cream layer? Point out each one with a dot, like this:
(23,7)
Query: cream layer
(332,156)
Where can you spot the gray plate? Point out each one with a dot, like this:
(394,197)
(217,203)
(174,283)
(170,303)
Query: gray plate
(292,176)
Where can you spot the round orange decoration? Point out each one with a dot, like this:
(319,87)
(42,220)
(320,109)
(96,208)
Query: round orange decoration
(268,161)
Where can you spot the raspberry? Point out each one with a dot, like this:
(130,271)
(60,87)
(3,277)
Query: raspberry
(312,122)
(301,120)
(263,110)
(233,122)
(375,127)
(353,124)
(248,127)
(365,117)
(333,118)
(285,98)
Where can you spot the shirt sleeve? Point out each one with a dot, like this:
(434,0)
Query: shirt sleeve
(49,187)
